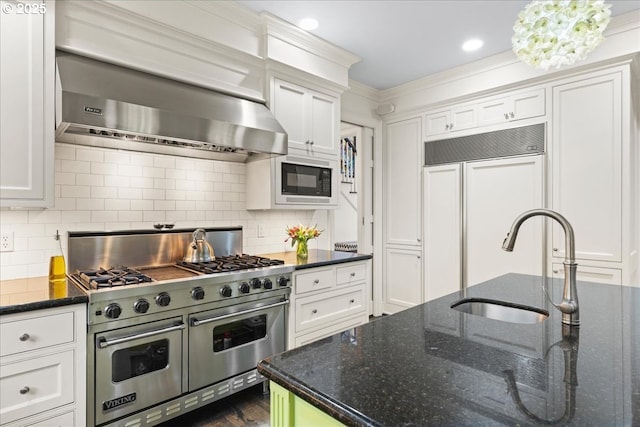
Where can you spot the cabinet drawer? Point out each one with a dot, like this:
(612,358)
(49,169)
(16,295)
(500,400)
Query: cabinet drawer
(586,273)
(351,273)
(63,420)
(36,385)
(313,280)
(323,309)
(36,333)
(329,331)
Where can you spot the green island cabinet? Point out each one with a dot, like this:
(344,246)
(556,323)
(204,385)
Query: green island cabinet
(289,410)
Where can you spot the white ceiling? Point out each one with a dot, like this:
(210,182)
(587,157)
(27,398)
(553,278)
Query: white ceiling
(400,40)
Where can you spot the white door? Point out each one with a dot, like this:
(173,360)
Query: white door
(323,116)
(402,183)
(587,171)
(289,107)
(437,123)
(442,230)
(403,280)
(26,107)
(497,191)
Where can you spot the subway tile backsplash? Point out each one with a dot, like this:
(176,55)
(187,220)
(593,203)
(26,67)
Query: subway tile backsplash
(102,189)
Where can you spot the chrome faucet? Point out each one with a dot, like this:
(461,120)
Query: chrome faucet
(569,305)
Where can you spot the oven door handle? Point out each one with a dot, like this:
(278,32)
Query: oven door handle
(196,322)
(104,342)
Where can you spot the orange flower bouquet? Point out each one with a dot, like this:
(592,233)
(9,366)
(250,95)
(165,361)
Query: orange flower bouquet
(301,235)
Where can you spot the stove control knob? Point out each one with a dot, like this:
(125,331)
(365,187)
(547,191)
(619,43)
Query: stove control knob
(226,291)
(268,284)
(197,293)
(282,281)
(256,283)
(245,288)
(163,299)
(141,306)
(112,311)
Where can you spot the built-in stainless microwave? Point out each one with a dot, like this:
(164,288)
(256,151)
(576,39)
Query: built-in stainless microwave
(287,182)
(304,180)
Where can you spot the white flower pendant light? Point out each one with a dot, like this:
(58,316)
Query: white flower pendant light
(552,33)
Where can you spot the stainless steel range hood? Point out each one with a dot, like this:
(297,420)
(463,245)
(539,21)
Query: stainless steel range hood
(106,105)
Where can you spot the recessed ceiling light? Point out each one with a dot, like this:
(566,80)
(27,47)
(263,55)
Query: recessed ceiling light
(472,44)
(308,24)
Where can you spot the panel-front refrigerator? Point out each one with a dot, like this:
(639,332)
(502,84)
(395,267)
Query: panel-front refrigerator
(474,187)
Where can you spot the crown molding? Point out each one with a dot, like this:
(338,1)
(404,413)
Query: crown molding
(291,34)
(364,91)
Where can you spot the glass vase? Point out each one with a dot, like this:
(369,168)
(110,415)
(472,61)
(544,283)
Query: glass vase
(302,250)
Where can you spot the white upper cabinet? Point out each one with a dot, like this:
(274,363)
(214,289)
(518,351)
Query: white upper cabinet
(587,166)
(500,109)
(26,106)
(310,118)
(454,119)
(522,105)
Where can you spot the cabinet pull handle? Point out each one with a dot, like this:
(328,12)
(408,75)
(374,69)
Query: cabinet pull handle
(310,142)
(314,311)
(315,282)
(418,256)
(419,240)
(512,115)
(352,301)
(451,126)
(556,271)
(353,274)
(24,390)
(555,249)
(25,337)
(506,116)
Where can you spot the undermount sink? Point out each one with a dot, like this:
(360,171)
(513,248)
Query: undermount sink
(501,310)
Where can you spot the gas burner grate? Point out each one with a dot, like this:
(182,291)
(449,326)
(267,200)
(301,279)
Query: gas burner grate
(231,263)
(115,276)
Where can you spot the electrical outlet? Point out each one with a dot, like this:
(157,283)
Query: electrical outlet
(6,242)
(260,230)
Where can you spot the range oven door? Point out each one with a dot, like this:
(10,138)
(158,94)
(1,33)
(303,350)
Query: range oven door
(137,367)
(232,340)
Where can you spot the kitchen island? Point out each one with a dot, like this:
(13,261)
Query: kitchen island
(432,365)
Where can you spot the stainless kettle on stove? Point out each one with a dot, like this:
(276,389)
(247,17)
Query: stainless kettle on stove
(199,249)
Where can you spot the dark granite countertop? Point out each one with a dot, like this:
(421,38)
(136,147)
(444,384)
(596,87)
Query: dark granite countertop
(432,365)
(22,295)
(317,258)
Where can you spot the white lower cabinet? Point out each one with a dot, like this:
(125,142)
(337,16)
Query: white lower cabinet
(402,285)
(328,300)
(43,367)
